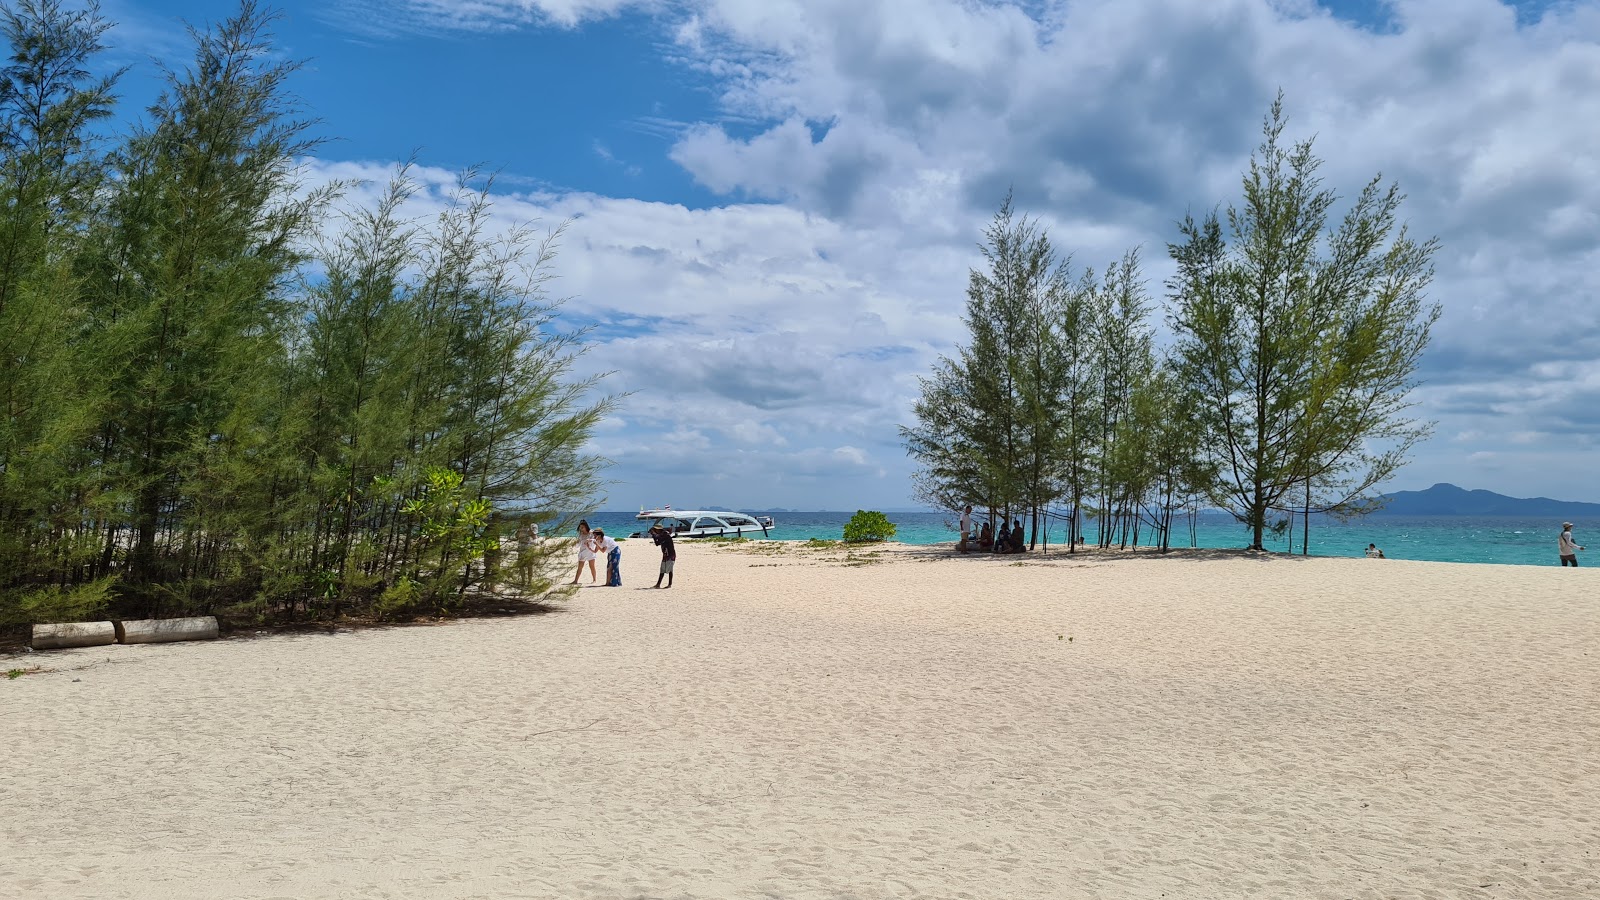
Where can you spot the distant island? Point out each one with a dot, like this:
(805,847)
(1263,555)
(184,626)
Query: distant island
(1449,500)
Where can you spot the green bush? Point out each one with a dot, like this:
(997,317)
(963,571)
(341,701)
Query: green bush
(83,603)
(398,599)
(455,533)
(866,526)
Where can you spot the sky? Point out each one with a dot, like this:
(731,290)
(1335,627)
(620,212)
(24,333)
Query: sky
(771,206)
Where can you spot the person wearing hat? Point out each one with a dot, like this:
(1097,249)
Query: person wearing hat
(669,554)
(1569,548)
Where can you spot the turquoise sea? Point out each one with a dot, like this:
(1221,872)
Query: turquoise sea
(1433,538)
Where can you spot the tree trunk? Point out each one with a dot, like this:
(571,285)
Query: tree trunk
(158,631)
(1305,519)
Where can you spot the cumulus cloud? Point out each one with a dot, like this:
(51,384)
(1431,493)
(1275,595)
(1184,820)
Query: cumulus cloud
(1111,119)
(861,146)
(763,347)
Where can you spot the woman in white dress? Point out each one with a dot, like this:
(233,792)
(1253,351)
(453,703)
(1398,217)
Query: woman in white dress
(585,552)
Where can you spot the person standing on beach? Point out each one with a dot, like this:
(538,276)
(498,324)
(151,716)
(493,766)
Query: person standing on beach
(585,551)
(966,527)
(527,534)
(669,553)
(1569,548)
(613,552)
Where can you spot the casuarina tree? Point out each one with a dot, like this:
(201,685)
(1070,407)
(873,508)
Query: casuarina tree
(1300,341)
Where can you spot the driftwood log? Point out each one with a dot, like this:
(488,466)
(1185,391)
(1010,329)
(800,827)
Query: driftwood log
(156,631)
(73,634)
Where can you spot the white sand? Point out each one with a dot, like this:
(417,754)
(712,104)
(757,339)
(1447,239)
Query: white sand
(783,726)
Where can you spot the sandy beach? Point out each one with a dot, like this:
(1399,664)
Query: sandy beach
(789,723)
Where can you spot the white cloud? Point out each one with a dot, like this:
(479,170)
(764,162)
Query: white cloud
(851,455)
(863,144)
(1111,119)
(382,17)
(751,336)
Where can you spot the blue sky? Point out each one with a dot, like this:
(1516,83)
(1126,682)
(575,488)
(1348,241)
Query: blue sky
(772,204)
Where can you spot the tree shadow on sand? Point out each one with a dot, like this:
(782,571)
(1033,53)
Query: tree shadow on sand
(14,641)
(1055,555)
(487,607)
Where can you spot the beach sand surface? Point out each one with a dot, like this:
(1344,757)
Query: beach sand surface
(793,723)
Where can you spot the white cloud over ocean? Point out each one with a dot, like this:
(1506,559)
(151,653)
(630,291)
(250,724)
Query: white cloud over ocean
(859,148)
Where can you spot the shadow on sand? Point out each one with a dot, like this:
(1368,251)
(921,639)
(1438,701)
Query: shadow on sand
(14,641)
(484,608)
(1058,555)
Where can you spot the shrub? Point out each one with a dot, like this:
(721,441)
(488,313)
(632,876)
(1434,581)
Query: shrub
(82,603)
(398,599)
(867,525)
(454,534)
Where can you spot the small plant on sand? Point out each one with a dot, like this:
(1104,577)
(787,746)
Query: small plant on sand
(868,526)
(820,544)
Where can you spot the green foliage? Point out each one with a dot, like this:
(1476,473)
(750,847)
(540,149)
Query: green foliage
(867,526)
(400,598)
(989,425)
(51,178)
(454,530)
(1286,391)
(1300,341)
(79,603)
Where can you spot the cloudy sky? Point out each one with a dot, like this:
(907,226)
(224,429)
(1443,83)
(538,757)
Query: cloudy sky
(773,204)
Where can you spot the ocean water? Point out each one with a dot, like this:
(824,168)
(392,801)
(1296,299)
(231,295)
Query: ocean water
(1434,538)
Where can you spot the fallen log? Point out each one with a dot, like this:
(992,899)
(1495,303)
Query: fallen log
(73,634)
(158,631)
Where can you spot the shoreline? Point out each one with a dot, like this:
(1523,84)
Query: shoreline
(1057,553)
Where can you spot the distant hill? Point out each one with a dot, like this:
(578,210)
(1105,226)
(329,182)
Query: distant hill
(1449,500)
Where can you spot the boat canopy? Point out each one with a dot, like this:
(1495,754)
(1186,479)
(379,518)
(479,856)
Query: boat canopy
(705,523)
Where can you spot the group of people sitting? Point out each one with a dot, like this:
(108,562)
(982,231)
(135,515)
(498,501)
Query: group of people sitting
(1001,539)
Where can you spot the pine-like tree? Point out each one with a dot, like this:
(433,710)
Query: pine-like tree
(989,421)
(1299,345)
(51,179)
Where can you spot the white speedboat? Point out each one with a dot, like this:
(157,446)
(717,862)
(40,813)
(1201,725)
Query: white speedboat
(699,523)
